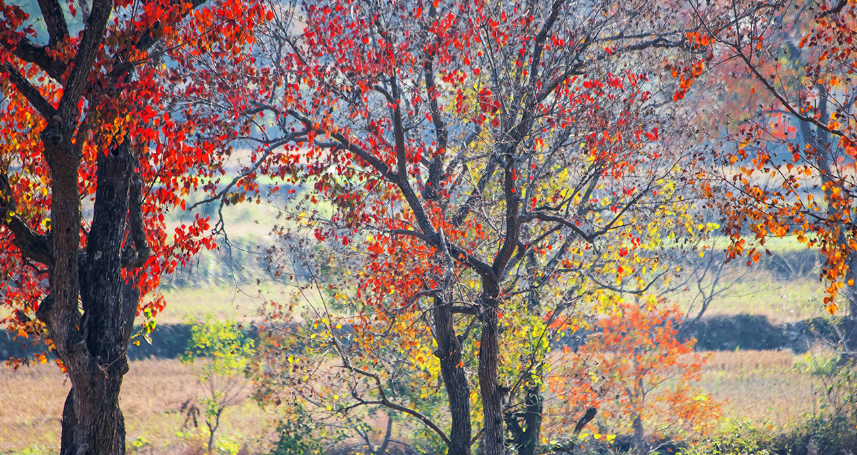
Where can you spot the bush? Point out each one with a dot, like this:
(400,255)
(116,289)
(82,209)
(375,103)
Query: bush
(296,437)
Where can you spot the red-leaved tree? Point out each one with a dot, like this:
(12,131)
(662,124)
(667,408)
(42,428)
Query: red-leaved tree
(473,173)
(98,141)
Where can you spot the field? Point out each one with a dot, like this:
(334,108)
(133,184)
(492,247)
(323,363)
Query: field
(764,386)
(31,402)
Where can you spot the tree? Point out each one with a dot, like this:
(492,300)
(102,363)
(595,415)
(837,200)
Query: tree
(635,369)
(475,170)
(788,165)
(96,147)
(225,354)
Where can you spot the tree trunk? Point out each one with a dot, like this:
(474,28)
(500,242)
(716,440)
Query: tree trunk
(489,349)
(91,345)
(457,389)
(534,399)
(103,431)
(525,439)
(851,293)
(534,403)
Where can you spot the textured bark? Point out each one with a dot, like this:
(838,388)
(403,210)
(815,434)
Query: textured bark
(533,405)
(529,438)
(489,349)
(454,379)
(92,345)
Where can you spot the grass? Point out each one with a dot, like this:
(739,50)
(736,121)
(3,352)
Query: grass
(763,386)
(779,300)
(31,402)
(222,302)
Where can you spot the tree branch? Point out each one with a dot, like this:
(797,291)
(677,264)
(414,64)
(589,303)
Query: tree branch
(558,219)
(464,210)
(32,245)
(255,166)
(25,50)
(54,21)
(31,93)
(86,53)
(386,402)
(773,91)
(457,253)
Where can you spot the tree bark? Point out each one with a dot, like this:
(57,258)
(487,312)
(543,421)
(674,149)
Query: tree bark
(525,439)
(489,348)
(91,345)
(454,379)
(534,403)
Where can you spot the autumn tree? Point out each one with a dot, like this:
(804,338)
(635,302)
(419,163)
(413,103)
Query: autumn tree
(473,172)
(637,372)
(220,353)
(788,163)
(97,144)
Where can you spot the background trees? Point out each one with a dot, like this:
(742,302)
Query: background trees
(788,166)
(225,355)
(93,153)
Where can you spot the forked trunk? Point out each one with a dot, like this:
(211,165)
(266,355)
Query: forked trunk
(92,345)
(457,389)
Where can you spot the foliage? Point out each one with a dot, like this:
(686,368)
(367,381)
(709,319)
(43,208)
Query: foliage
(297,436)
(224,353)
(639,375)
(788,163)
(833,427)
(742,437)
(98,140)
(493,173)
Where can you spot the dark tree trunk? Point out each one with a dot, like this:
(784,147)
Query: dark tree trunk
(92,345)
(489,348)
(639,436)
(525,439)
(454,379)
(534,399)
(103,432)
(533,404)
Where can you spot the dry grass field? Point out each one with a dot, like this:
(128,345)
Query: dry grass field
(31,401)
(763,386)
(760,385)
